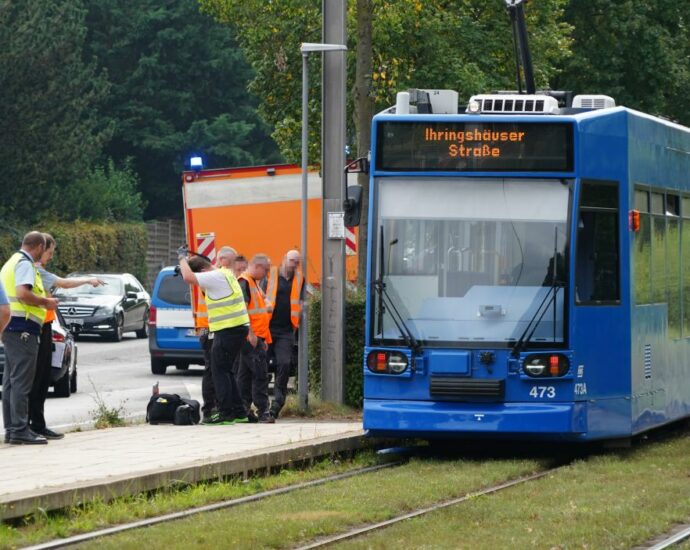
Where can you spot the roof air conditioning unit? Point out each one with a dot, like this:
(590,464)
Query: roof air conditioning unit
(593,101)
(522,104)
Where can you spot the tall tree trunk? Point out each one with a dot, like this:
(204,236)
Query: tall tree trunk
(364,111)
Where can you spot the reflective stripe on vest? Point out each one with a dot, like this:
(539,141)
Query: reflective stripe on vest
(295,298)
(17,308)
(272,288)
(259,318)
(295,294)
(201,315)
(230,311)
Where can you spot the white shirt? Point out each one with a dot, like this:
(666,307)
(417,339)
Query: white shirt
(215,284)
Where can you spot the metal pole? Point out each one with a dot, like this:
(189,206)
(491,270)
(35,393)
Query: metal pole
(303,355)
(333,250)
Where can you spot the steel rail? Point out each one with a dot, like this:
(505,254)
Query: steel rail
(673,539)
(422,511)
(76,539)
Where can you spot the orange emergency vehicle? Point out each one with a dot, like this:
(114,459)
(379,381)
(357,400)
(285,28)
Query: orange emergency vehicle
(257,210)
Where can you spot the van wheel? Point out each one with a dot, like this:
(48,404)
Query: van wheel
(143,332)
(158,366)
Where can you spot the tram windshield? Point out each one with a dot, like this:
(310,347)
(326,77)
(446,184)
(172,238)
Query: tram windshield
(468,261)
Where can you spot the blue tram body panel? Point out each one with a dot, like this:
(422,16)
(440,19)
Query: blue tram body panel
(627,370)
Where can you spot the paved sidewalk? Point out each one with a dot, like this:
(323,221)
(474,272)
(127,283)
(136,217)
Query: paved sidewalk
(117,461)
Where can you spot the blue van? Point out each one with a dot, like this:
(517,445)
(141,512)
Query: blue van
(172,338)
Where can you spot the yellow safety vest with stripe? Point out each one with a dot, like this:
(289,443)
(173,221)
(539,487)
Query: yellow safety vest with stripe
(295,294)
(19,309)
(230,311)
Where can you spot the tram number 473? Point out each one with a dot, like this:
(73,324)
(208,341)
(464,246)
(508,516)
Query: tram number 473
(543,391)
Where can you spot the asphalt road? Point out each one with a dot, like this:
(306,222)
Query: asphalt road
(118,374)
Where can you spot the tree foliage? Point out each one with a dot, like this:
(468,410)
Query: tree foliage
(463,45)
(178,86)
(636,52)
(50,96)
(104,193)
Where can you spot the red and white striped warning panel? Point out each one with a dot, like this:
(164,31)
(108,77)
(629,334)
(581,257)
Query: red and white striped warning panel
(350,242)
(206,245)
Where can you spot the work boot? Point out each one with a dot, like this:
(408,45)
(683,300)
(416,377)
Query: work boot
(49,434)
(267,418)
(27,439)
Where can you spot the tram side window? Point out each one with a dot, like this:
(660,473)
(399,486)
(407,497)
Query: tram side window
(685,265)
(642,251)
(597,278)
(673,276)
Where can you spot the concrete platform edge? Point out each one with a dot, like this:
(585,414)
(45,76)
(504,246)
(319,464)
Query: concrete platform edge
(18,505)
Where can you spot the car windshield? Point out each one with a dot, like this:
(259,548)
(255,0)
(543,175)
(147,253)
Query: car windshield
(112,287)
(469,260)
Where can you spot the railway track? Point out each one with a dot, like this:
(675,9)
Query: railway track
(86,537)
(678,536)
(367,529)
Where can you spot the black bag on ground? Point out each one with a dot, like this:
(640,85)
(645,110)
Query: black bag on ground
(161,408)
(188,413)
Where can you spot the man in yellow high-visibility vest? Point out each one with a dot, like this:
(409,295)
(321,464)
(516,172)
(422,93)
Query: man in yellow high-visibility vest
(28,306)
(228,324)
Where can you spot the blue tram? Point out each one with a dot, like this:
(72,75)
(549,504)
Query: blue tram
(528,269)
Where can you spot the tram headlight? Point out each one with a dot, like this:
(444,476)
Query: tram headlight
(546,365)
(387,362)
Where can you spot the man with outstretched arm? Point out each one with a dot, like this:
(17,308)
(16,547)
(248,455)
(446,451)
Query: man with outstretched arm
(41,383)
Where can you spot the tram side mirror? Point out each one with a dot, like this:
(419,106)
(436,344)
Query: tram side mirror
(353,206)
(358,166)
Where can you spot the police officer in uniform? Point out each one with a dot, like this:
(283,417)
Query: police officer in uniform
(28,306)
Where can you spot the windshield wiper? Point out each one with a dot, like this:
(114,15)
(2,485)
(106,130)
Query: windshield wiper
(398,320)
(386,301)
(531,327)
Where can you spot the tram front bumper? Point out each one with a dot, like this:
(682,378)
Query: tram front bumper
(383,417)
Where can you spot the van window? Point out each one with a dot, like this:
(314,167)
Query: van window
(175,291)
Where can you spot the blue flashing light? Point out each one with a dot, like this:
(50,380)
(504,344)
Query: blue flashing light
(196,163)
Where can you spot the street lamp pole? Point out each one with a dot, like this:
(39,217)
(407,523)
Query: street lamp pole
(303,355)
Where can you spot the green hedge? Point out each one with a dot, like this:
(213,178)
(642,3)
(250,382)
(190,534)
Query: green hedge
(86,246)
(354,346)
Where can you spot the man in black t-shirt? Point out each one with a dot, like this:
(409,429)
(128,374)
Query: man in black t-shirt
(285,287)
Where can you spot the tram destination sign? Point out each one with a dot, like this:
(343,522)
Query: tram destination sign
(474,147)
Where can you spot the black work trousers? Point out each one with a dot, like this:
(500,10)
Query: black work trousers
(282,350)
(208,391)
(252,376)
(227,344)
(41,383)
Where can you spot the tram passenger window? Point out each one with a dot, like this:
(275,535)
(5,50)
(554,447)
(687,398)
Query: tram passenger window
(642,251)
(685,265)
(673,264)
(597,277)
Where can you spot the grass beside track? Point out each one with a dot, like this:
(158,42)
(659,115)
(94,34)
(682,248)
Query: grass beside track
(617,500)
(286,520)
(40,527)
